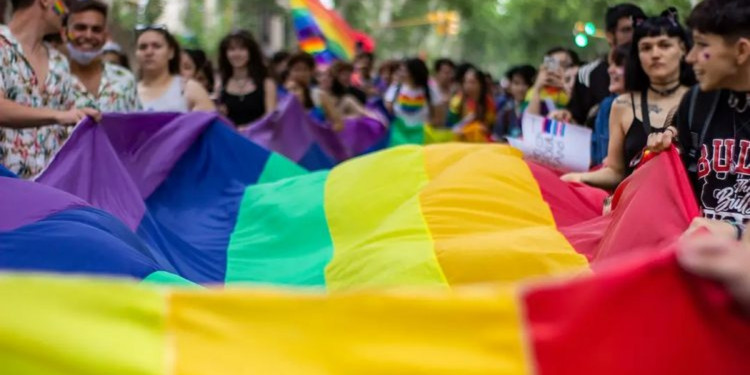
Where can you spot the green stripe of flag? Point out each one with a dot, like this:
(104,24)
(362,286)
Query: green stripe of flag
(268,244)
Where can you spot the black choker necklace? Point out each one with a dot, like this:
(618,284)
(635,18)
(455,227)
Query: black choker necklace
(665,92)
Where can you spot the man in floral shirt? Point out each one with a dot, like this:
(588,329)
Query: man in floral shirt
(37,96)
(106,87)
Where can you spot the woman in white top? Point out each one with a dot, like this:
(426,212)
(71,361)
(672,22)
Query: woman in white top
(160,86)
(412,99)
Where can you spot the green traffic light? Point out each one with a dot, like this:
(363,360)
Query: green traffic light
(582,40)
(589,28)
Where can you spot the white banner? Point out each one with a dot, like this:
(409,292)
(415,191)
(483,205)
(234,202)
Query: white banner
(564,147)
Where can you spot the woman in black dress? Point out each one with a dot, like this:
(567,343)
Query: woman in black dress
(248,93)
(656,78)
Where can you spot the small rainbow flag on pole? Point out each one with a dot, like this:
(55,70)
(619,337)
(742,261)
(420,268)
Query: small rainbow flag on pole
(322,32)
(60,8)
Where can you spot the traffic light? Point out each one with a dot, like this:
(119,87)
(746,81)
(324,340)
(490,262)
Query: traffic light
(589,28)
(582,40)
(446,22)
(583,31)
(454,22)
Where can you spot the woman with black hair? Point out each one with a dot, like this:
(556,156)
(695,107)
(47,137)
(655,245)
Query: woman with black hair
(413,100)
(550,91)
(616,71)
(472,110)
(656,78)
(248,92)
(160,86)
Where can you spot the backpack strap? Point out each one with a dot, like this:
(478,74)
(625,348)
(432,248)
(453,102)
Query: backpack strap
(698,136)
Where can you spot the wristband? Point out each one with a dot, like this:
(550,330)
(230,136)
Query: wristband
(672,130)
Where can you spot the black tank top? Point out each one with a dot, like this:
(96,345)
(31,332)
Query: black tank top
(245,109)
(637,136)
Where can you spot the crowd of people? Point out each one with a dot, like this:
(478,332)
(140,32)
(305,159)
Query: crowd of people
(661,84)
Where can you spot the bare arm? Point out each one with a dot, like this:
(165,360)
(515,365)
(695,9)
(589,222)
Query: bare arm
(534,106)
(614,172)
(13,115)
(353,108)
(16,116)
(270,95)
(611,175)
(535,102)
(197,97)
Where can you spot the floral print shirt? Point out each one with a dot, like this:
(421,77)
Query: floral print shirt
(117,92)
(27,151)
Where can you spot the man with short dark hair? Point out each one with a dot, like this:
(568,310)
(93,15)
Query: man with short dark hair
(592,83)
(106,87)
(713,124)
(37,95)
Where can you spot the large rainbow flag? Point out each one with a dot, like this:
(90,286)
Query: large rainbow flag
(644,317)
(390,250)
(200,202)
(292,132)
(321,32)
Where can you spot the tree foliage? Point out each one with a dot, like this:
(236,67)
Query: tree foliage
(152,11)
(494,33)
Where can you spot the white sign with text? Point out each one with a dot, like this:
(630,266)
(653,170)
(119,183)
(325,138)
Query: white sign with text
(561,146)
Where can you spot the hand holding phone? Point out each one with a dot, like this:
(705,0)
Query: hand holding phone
(551,64)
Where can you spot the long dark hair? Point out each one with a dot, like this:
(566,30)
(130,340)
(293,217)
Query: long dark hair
(667,24)
(337,89)
(484,90)
(420,75)
(203,65)
(461,71)
(174,63)
(256,65)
